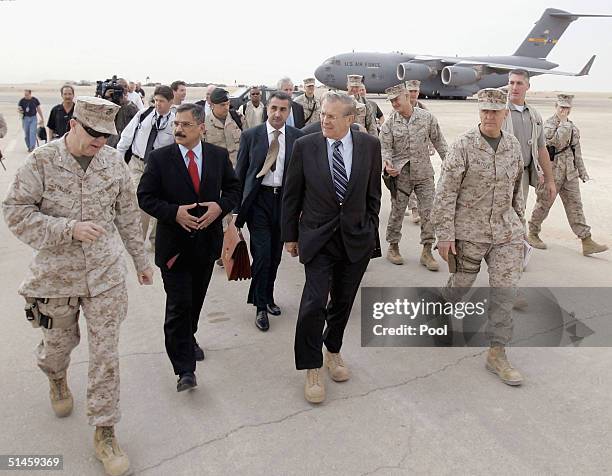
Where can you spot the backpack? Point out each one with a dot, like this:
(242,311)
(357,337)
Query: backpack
(128,153)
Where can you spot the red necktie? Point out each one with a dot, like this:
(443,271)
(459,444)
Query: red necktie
(192,168)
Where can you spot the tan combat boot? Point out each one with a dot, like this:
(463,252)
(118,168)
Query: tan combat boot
(427,259)
(589,246)
(61,398)
(497,362)
(338,370)
(534,240)
(415,216)
(393,254)
(314,388)
(113,458)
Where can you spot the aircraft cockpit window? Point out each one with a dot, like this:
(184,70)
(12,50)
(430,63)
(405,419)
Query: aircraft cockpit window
(329,61)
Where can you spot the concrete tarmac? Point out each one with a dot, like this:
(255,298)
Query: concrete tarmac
(404,411)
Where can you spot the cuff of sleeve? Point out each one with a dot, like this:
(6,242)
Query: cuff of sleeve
(141,262)
(68,230)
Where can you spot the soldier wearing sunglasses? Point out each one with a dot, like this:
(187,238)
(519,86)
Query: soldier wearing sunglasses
(73,201)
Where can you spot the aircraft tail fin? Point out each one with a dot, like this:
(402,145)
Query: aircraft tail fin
(547,31)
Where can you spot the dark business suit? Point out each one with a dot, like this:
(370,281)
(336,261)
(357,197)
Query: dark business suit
(335,241)
(297,111)
(164,186)
(260,209)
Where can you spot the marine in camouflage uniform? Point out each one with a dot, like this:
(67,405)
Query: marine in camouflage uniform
(311,105)
(223,131)
(366,113)
(54,194)
(414,88)
(563,137)
(405,137)
(478,210)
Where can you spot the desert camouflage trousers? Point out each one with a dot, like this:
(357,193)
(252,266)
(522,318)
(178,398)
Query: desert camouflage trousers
(569,191)
(505,266)
(103,316)
(424,190)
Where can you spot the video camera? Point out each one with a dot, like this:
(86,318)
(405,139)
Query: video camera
(103,87)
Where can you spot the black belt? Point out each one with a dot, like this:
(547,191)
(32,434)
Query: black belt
(274,190)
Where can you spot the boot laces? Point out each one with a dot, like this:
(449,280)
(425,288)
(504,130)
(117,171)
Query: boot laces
(314,377)
(337,360)
(60,387)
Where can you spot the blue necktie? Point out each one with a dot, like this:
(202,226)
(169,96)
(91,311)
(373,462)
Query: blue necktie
(340,178)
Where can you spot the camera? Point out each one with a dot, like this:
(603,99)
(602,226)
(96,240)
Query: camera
(110,89)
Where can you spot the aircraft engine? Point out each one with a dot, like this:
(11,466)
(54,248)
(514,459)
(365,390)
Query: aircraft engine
(459,75)
(413,70)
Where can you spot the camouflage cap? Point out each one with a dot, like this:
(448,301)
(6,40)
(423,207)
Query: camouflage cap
(97,113)
(413,85)
(395,91)
(309,82)
(354,79)
(565,100)
(492,99)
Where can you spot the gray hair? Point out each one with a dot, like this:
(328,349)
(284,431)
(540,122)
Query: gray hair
(283,81)
(350,107)
(520,72)
(196,110)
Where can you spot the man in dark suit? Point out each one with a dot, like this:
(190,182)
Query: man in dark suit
(330,218)
(263,156)
(296,111)
(188,186)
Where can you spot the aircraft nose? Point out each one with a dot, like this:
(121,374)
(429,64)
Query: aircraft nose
(319,73)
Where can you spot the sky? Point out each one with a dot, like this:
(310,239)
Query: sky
(260,41)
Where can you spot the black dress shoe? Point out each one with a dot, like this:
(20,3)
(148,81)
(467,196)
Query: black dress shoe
(186,381)
(273,309)
(261,321)
(199,353)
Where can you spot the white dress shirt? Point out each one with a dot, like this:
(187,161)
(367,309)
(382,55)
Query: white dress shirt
(275,178)
(164,137)
(197,150)
(136,98)
(346,149)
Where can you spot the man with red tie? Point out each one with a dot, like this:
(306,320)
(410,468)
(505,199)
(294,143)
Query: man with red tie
(189,187)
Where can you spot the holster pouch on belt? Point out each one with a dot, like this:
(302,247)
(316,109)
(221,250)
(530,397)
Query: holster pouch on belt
(465,264)
(52,313)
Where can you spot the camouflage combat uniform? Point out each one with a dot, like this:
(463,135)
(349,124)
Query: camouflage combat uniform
(567,168)
(312,108)
(412,201)
(479,206)
(223,134)
(49,195)
(405,143)
(366,116)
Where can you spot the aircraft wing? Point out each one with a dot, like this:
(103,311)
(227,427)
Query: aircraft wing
(503,68)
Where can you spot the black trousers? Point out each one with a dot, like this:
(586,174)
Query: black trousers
(263,221)
(185,285)
(331,276)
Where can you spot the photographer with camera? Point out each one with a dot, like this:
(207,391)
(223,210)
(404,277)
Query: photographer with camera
(126,113)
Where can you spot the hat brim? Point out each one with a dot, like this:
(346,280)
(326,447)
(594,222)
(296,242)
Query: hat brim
(391,97)
(563,104)
(105,127)
(491,106)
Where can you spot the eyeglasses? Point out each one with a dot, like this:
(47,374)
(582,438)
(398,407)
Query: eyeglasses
(94,133)
(183,124)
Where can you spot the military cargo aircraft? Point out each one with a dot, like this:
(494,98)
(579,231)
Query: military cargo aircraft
(455,77)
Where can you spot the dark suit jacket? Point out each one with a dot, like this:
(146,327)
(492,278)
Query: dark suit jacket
(298,114)
(166,184)
(251,157)
(311,213)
